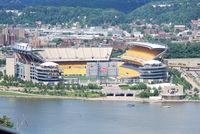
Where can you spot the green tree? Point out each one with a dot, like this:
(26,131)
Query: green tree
(6,122)
(177,79)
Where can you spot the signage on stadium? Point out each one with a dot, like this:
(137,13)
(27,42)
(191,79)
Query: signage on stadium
(103,70)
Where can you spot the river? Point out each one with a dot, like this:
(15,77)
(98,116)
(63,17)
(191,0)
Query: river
(57,116)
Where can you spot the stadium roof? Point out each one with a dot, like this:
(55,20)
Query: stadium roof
(23,44)
(149,45)
(76,54)
(153,62)
(23,47)
(49,64)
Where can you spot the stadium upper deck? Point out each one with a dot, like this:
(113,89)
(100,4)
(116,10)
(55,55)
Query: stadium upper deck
(76,54)
(81,54)
(147,45)
(142,52)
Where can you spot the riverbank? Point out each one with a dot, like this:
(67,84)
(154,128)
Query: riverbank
(15,94)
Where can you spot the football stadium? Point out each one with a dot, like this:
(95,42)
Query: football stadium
(142,62)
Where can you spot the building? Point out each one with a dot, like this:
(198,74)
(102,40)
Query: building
(47,72)
(137,35)
(10,66)
(23,71)
(102,69)
(137,59)
(71,62)
(35,42)
(196,36)
(154,71)
(195,25)
(8,37)
(19,33)
(179,28)
(2,40)
(172,92)
(90,63)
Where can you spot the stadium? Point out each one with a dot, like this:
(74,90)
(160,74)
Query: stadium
(143,61)
(140,63)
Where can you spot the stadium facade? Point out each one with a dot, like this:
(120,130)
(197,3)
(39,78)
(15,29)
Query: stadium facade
(140,63)
(153,71)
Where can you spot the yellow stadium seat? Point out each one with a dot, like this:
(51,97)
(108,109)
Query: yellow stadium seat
(73,68)
(120,64)
(127,73)
(74,71)
(140,54)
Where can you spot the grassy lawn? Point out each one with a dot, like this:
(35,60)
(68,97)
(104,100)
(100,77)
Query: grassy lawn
(80,77)
(94,95)
(124,87)
(189,97)
(12,93)
(68,94)
(86,78)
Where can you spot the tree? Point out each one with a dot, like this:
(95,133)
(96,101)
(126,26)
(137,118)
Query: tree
(1,74)
(180,50)
(139,86)
(126,27)
(156,92)
(177,79)
(6,122)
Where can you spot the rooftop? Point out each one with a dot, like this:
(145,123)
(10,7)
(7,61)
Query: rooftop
(148,45)
(23,47)
(46,64)
(22,44)
(153,62)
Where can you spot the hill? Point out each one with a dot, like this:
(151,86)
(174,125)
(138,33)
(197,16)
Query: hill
(99,12)
(175,11)
(59,15)
(120,5)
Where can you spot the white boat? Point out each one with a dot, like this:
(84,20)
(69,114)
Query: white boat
(166,106)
